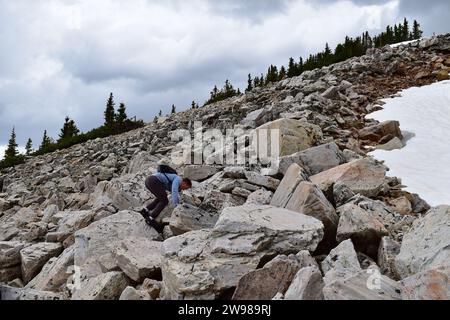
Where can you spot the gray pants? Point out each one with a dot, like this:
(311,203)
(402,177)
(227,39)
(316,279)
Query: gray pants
(156,187)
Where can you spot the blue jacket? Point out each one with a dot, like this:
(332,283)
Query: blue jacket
(176,182)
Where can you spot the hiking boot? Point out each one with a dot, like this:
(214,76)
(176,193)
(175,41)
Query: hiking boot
(155,225)
(145,213)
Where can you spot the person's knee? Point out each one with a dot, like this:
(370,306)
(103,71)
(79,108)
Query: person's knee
(165,201)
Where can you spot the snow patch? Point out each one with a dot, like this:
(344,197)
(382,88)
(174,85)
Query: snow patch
(404,43)
(424,164)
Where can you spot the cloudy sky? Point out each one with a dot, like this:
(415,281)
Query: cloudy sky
(63,57)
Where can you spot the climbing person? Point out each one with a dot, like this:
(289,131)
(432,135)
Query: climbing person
(165,179)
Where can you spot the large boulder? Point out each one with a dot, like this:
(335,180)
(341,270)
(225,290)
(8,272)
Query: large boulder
(36,256)
(10,273)
(107,286)
(96,244)
(341,262)
(427,285)
(377,132)
(307,285)
(363,176)
(427,245)
(25,216)
(260,197)
(109,193)
(360,287)
(187,218)
(294,175)
(200,173)
(207,264)
(262,181)
(241,230)
(294,135)
(10,253)
(265,283)
(10,293)
(139,258)
(362,226)
(71,222)
(309,200)
(315,160)
(215,201)
(387,252)
(55,273)
(346,280)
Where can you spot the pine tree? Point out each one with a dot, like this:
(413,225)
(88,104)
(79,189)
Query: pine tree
(292,68)
(12,152)
(249,83)
(282,73)
(69,129)
(29,147)
(405,30)
(193,106)
(46,141)
(174,109)
(417,32)
(110,112)
(121,116)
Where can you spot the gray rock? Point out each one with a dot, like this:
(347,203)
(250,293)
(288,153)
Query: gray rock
(139,258)
(199,173)
(109,193)
(427,245)
(360,225)
(331,93)
(216,201)
(49,212)
(388,251)
(265,283)
(341,262)
(25,216)
(107,286)
(131,294)
(294,135)
(260,197)
(73,221)
(241,192)
(234,173)
(307,285)
(362,176)
(187,218)
(427,285)
(243,227)
(342,194)
(205,264)
(10,273)
(377,132)
(36,256)
(10,253)
(294,175)
(55,272)
(360,287)
(315,160)
(262,181)
(96,244)
(393,144)
(309,200)
(9,293)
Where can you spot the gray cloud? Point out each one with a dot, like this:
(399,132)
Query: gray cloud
(63,57)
